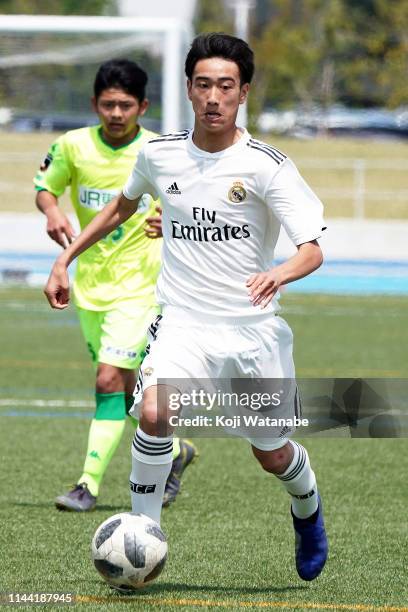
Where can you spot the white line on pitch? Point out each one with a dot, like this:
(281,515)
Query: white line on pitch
(52,403)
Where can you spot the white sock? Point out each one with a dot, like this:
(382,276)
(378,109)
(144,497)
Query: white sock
(151,464)
(300,482)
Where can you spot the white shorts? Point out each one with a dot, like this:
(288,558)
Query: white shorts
(189,346)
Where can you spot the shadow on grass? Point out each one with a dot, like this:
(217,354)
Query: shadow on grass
(104,507)
(166,588)
(50,504)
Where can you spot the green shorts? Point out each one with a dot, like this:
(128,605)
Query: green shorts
(118,336)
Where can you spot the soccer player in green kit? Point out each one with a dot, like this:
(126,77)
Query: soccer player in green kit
(114,287)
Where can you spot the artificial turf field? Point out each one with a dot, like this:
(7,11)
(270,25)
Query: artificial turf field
(230,534)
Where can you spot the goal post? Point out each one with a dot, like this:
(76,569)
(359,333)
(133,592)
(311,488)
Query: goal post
(166,38)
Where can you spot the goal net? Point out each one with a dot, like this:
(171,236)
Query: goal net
(48,64)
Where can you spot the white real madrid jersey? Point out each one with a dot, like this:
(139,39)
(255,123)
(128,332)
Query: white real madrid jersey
(222,213)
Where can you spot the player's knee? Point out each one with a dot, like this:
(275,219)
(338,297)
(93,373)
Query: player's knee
(108,380)
(148,419)
(274,461)
(151,420)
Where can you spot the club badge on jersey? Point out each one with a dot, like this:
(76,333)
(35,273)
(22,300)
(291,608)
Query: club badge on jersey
(237,193)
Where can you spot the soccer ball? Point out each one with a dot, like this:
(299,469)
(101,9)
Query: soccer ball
(129,550)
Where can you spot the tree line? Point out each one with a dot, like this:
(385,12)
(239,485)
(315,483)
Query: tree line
(322,52)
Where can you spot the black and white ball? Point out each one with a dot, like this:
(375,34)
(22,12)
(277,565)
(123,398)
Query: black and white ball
(129,550)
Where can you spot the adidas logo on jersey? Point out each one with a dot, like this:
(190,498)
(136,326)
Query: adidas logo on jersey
(173,189)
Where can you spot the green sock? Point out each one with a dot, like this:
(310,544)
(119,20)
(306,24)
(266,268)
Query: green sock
(105,433)
(135,422)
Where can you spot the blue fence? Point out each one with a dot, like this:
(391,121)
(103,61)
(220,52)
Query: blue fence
(347,277)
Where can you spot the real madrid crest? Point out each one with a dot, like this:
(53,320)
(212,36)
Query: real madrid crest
(237,192)
(148,371)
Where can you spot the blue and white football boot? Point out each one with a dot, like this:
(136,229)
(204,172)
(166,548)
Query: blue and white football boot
(311,545)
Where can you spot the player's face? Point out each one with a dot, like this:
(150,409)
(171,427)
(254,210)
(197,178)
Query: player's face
(118,112)
(216,93)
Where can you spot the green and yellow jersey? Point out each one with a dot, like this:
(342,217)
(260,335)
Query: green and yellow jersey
(125,264)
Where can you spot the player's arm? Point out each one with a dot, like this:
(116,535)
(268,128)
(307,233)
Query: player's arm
(300,212)
(115,213)
(50,182)
(59,227)
(263,286)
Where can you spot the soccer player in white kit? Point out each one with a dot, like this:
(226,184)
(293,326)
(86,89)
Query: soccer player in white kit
(225,196)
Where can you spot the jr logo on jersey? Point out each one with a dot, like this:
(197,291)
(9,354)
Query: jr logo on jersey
(95,199)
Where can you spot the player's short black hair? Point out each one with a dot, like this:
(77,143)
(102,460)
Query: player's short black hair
(123,74)
(217,44)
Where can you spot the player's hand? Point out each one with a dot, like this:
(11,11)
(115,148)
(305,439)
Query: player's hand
(263,286)
(57,287)
(59,228)
(154,225)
